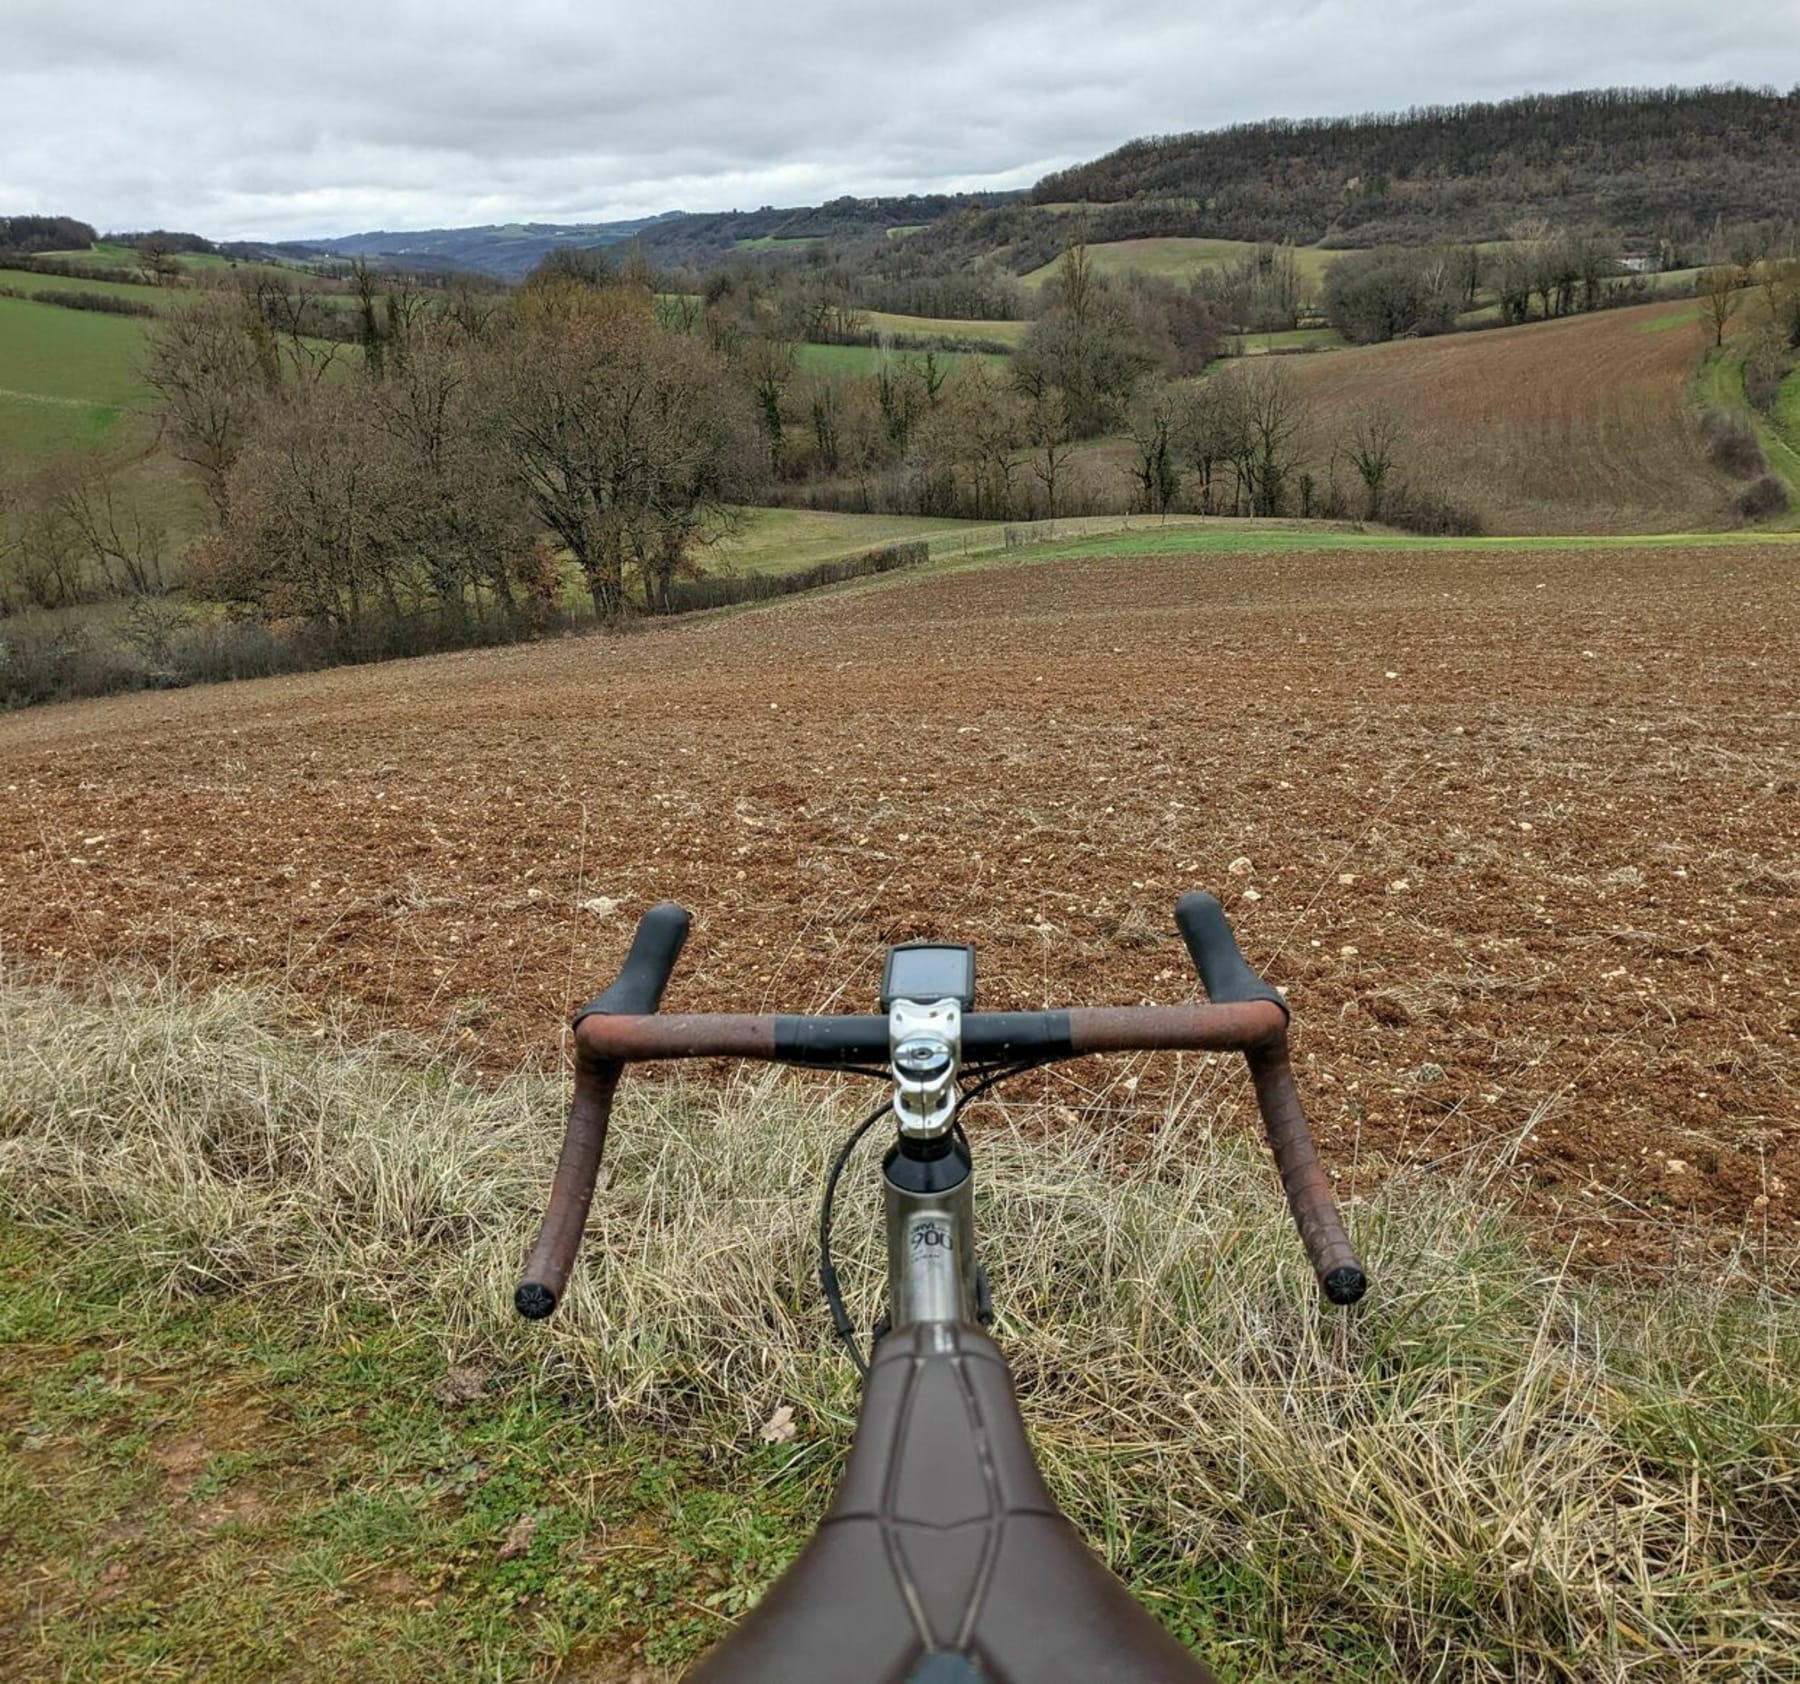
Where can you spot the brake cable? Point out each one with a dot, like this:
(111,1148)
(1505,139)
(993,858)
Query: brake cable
(828,1276)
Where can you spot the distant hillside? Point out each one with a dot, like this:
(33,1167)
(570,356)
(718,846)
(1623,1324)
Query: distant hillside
(1664,168)
(507,249)
(1654,163)
(511,250)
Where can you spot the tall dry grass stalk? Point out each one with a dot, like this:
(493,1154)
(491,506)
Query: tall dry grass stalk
(1492,1469)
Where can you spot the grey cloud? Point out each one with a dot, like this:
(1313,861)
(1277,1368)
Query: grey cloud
(323,116)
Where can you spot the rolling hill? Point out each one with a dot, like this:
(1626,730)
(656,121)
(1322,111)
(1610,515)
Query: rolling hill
(1656,164)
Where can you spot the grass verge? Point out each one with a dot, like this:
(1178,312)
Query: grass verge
(1721,386)
(276,1419)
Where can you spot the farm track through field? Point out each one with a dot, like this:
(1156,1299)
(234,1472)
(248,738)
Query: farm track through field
(44,397)
(1523,832)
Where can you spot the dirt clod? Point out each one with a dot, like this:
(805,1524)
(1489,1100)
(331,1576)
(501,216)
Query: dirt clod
(1597,943)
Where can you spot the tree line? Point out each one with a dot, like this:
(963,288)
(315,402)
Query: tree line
(28,234)
(1657,163)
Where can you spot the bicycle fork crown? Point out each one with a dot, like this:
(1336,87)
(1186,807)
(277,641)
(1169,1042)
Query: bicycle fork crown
(925,1051)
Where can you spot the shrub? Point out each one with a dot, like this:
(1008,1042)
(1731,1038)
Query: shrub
(1762,497)
(1731,444)
(106,303)
(26,263)
(1431,512)
(685,596)
(1767,364)
(1386,294)
(48,661)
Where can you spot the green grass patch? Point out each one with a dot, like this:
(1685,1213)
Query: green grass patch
(787,540)
(211,1489)
(102,254)
(112,256)
(1721,386)
(1219,537)
(859,361)
(1011,334)
(270,1413)
(27,280)
(1786,419)
(777,242)
(1180,259)
(64,374)
(1287,340)
(1685,315)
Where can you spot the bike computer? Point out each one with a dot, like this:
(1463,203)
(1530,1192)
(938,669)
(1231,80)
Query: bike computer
(926,971)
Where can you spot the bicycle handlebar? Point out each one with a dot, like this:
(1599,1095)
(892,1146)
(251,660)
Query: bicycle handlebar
(1245,1015)
(661,934)
(637,989)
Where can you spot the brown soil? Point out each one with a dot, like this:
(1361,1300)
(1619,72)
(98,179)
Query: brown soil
(1586,424)
(1523,833)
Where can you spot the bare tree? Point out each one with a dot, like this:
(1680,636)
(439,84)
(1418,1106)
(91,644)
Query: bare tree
(1073,283)
(287,321)
(1373,442)
(1720,297)
(155,255)
(1155,426)
(461,519)
(1050,432)
(214,366)
(982,427)
(1268,417)
(768,366)
(1779,280)
(626,437)
(124,541)
(310,516)
(10,517)
(46,556)
(368,317)
(679,312)
(1210,437)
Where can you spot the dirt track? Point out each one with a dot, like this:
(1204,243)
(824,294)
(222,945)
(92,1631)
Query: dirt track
(1524,834)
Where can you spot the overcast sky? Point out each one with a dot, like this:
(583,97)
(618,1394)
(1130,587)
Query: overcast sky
(245,118)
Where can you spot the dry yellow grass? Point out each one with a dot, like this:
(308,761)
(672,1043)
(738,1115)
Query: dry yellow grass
(1492,1470)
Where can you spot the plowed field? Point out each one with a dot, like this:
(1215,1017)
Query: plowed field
(1519,831)
(1588,424)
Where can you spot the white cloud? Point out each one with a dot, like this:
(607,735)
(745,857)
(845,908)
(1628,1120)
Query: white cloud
(322,116)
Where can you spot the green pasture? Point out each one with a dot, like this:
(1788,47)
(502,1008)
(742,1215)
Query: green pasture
(111,256)
(1288,339)
(776,242)
(1222,536)
(787,540)
(948,327)
(1683,315)
(102,255)
(857,361)
(1180,259)
(27,280)
(64,374)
